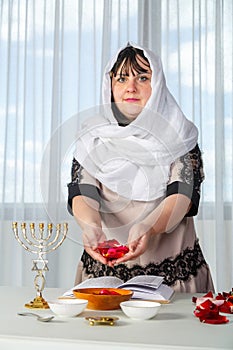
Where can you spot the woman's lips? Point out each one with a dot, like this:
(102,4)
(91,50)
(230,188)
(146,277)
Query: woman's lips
(132,100)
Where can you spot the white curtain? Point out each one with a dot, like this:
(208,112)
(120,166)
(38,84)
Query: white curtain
(52,55)
(197,54)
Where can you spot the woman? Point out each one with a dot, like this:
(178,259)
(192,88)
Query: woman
(136,177)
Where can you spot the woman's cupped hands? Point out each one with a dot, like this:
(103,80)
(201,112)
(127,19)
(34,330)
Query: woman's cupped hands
(138,242)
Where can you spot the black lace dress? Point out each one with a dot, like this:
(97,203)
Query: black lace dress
(175,255)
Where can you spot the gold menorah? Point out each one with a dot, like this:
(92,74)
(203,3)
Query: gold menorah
(40,242)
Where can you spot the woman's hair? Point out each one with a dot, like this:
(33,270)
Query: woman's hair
(129,60)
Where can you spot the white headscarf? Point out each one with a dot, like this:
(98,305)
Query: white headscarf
(134,161)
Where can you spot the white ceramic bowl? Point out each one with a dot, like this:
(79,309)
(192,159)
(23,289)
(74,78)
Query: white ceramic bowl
(67,307)
(140,309)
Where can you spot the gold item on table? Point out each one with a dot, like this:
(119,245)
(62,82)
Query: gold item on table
(40,243)
(102,320)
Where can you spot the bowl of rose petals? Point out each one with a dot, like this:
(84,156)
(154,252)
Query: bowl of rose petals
(103,298)
(112,249)
(214,309)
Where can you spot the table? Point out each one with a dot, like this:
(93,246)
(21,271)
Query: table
(174,328)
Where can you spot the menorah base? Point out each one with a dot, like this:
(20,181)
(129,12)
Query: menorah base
(38,303)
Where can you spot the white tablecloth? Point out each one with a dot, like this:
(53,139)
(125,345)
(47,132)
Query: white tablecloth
(174,327)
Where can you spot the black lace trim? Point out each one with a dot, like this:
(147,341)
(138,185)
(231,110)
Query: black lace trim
(76,171)
(192,175)
(182,267)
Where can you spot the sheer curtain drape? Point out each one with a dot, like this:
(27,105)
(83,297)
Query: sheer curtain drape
(197,55)
(52,55)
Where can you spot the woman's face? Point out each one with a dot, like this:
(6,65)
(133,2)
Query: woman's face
(131,91)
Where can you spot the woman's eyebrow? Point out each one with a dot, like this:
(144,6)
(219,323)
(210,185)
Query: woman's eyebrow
(147,72)
(126,74)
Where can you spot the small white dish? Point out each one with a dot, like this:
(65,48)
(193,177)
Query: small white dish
(140,309)
(67,307)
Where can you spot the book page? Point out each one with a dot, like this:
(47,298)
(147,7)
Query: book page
(98,282)
(140,288)
(163,293)
(146,296)
(144,280)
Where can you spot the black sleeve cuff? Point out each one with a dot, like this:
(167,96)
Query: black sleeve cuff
(185,189)
(75,189)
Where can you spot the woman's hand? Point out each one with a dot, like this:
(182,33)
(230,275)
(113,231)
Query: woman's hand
(92,236)
(86,212)
(139,236)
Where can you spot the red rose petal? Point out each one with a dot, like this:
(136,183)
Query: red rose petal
(218,320)
(112,249)
(226,294)
(194,299)
(208,310)
(208,295)
(226,307)
(108,292)
(208,305)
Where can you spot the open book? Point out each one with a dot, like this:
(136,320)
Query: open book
(143,287)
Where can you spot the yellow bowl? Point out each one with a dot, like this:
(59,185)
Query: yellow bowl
(98,301)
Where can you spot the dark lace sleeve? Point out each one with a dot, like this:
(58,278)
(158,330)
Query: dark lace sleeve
(186,178)
(82,184)
(76,171)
